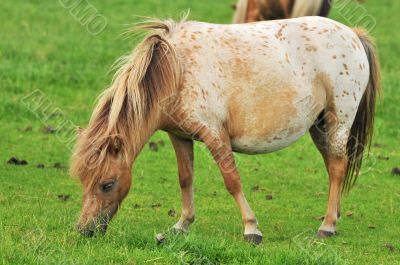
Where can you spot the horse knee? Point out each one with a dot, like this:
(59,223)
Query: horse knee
(233,185)
(185,181)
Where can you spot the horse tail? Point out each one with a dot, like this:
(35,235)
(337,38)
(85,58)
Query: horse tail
(362,129)
(241,12)
(304,8)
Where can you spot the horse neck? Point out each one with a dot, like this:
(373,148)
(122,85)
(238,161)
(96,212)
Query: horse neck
(144,131)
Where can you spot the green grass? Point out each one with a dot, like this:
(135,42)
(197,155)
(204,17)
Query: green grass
(43,47)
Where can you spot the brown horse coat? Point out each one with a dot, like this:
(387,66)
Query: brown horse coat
(258,10)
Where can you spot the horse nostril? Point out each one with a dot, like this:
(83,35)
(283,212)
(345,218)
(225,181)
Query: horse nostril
(104,228)
(88,233)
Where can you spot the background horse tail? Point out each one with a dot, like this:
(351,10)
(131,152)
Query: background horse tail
(304,8)
(241,12)
(362,129)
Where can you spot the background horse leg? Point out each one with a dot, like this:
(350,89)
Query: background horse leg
(325,8)
(184,155)
(220,147)
(241,12)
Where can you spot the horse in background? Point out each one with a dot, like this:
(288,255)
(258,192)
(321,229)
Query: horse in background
(259,10)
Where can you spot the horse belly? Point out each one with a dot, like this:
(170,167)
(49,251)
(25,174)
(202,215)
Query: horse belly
(263,140)
(258,144)
(270,120)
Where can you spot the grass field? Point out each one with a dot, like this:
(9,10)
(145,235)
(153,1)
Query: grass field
(42,46)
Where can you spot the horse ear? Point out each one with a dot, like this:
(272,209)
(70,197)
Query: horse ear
(116,145)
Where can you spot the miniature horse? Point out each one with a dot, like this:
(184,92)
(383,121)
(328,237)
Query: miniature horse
(247,88)
(259,10)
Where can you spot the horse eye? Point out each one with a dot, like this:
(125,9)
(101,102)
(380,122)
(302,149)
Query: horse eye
(107,186)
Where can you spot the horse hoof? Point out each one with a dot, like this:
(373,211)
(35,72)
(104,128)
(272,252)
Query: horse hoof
(178,231)
(253,239)
(160,238)
(325,234)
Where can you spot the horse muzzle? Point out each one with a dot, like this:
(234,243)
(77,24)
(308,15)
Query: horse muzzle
(97,226)
(92,230)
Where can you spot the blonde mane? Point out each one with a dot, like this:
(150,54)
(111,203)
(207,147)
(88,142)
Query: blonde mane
(123,110)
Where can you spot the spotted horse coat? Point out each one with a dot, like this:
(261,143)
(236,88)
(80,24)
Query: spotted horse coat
(267,82)
(250,88)
(257,88)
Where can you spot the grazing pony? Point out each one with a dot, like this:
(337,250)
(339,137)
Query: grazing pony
(259,10)
(247,88)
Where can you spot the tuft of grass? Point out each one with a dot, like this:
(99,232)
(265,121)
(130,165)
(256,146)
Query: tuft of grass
(43,47)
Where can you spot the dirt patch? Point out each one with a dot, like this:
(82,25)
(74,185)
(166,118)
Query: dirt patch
(396,171)
(172,212)
(349,214)
(40,165)
(153,146)
(319,218)
(58,165)
(63,197)
(386,158)
(389,247)
(28,128)
(269,197)
(156,205)
(257,188)
(17,162)
(48,130)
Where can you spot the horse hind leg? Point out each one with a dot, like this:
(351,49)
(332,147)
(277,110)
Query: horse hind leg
(331,137)
(319,136)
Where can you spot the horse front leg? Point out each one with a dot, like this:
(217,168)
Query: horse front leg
(184,155)
(220,147)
